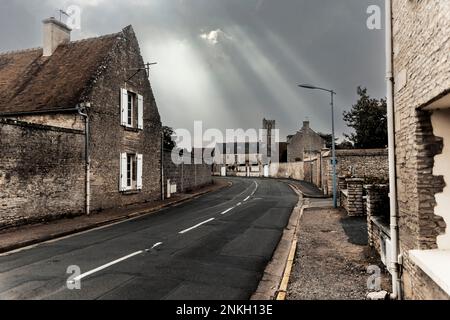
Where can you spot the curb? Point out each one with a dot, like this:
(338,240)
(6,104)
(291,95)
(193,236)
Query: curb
(282,292)
(275,280)
(133,215)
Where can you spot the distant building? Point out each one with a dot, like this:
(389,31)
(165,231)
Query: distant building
(306,141)
(249,158)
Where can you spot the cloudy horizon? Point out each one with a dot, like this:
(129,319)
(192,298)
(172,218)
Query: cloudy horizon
(231,63)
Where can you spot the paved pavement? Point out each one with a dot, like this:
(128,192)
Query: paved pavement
(332,256)
(214,247)
(308,190)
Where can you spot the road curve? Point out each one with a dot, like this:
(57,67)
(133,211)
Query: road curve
(215,247)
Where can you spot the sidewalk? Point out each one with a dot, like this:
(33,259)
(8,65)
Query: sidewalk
(308,190)
(332,256)
(16,238)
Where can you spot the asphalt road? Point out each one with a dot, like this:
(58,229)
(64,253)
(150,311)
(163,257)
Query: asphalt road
(215,248)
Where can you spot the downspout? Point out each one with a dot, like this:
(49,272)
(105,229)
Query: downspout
(162,166)
(84,114)
(394,267)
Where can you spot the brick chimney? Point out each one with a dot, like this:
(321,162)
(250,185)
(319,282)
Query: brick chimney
(306,125)
(55,33)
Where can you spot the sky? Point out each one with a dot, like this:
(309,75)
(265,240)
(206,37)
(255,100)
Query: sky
(231,63)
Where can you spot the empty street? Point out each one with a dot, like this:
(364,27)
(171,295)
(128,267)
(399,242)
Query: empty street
(214,247)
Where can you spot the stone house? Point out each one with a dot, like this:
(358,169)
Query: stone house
(421,61)
(80,130)
(306,142)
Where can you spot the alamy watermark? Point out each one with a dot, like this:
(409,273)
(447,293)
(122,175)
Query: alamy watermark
(374,19)
(213,146)
(374,280)
(73,282)
(73,14)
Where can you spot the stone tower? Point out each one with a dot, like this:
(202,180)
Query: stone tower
(269,125)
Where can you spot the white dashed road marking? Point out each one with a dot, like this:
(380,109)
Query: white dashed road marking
(226,211)
(84,275)
(196,226)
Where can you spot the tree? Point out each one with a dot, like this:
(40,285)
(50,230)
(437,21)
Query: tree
(344,145)
(328,137)
(368,118)
(168,134)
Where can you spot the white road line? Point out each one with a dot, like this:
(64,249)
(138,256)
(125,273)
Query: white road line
(226,211)
(246,199)
(84,275)
(256,188)
(157,245)
(196,226)
(239,204)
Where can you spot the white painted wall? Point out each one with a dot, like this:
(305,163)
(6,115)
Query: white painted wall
(441,127)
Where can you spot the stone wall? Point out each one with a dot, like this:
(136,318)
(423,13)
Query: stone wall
(378,214)
(370,164)
(355,193)
(187,177)
(421,31)
(417,285)
(42,172)
(292,170)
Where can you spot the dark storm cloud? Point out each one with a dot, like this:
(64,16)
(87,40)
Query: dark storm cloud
(231,63)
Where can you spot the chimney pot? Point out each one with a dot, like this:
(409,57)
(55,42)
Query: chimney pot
(305,124)
(55,34)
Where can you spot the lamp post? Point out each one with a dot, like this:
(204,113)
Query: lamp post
(308,86)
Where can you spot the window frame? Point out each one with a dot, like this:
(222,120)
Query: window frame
(132,110)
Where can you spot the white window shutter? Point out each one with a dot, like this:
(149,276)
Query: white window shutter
(139,171)
(123,172)
(140,112)
(124,106)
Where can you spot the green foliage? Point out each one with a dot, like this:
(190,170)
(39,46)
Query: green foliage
(328,139)
(368,119)
(345,145)
(168,134)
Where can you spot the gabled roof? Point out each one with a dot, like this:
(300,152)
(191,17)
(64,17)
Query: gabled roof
(30,82)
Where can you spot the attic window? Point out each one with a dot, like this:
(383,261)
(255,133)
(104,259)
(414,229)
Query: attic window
(132,110)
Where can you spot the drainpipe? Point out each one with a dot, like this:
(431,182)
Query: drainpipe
(396,281)
(162,166)
(81,108)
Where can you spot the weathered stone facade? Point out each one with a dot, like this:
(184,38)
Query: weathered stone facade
(108,138)
(421,41)
(108,64)
(306,141)
(41,172)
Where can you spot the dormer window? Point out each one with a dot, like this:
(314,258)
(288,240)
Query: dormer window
(132,109)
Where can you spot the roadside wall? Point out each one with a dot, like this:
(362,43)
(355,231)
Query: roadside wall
(187,177)
(291,170)
(41,172)
(369,164)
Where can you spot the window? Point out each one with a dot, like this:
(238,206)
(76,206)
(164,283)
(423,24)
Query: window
(131,171)
(131,166)
(132,110)
(131,103)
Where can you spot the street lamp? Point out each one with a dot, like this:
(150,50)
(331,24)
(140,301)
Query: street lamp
(308,86)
